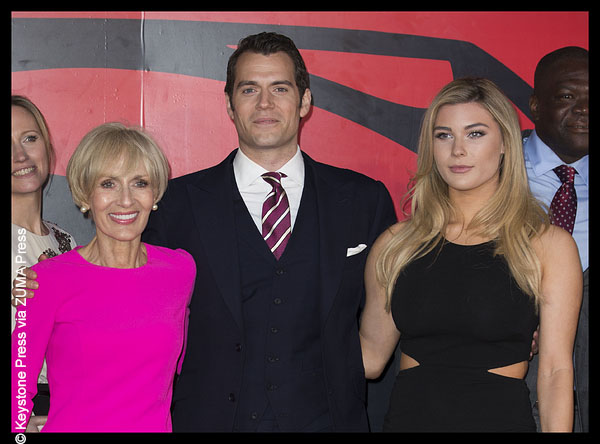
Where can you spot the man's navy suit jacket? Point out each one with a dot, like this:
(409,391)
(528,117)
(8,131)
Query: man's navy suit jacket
(197,215)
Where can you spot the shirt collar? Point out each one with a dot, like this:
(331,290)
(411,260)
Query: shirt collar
(544,160)
(248,172)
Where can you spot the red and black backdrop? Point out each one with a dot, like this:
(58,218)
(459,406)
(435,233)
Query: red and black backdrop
(372,76)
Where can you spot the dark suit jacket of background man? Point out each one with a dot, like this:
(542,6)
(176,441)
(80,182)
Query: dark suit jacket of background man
(197,214)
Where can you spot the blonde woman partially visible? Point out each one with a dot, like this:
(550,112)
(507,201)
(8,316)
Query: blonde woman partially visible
(464,281)
(32,158)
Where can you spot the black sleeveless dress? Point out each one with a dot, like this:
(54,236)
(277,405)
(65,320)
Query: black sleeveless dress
(460,313)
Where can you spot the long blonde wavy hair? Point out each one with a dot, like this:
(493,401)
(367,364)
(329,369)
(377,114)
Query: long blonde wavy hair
(512,217)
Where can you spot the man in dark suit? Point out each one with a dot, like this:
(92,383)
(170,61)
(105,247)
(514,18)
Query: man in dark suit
(272,342)
(560,110)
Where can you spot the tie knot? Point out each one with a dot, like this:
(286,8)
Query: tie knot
(273,178)
(565,173)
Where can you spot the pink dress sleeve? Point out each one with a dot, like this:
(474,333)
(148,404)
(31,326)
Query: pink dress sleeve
(34,323)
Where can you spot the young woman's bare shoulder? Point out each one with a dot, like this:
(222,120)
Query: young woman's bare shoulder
(397,227)
(388,234)
(554,240)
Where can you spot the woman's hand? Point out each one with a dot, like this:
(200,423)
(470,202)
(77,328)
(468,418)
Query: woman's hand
(25,289)
(35,424)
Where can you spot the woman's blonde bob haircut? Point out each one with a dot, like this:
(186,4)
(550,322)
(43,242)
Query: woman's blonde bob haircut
(512,217)
(110,146)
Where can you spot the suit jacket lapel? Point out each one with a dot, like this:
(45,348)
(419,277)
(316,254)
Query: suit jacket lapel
(213,213)
(334,206)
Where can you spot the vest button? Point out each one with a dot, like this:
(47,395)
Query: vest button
(231,397)
(277,301)
(279,271)
(238,347)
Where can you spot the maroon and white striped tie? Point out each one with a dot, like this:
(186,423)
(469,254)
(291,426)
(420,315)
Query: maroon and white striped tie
(276,220)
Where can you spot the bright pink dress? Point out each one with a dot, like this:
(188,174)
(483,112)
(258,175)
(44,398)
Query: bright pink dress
(112,339)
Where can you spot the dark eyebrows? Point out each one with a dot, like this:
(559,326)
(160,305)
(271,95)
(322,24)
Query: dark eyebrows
(245,83)
(283,82)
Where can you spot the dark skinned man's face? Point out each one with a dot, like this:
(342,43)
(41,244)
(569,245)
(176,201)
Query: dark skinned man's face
(560,109)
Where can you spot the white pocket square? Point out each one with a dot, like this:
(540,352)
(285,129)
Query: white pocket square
(355,250)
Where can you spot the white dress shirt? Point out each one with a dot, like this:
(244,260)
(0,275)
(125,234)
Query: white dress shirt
(254,189)
(543,182)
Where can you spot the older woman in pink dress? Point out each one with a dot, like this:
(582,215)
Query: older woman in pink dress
(109,317)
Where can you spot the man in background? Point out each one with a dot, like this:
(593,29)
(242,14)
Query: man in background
(557,162)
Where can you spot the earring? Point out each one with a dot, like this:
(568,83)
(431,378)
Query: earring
(84,209)
(155,207)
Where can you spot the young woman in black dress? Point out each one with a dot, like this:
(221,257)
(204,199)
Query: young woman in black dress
(464,281)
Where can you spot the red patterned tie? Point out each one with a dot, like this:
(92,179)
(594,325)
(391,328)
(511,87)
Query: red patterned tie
(276,221)
(564,204)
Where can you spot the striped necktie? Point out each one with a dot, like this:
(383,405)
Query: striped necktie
(564,204)
(276,220)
